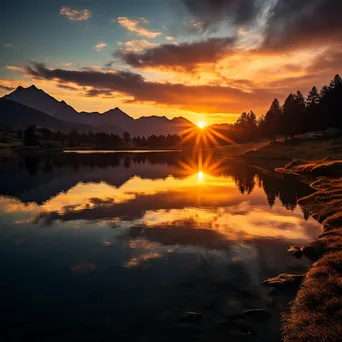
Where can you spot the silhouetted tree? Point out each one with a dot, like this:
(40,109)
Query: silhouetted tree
(127,138)
(30,137)
(272,120)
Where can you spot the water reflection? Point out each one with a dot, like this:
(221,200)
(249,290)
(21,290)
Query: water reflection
(125,233)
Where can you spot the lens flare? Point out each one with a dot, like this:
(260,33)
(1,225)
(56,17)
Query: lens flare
(201,124)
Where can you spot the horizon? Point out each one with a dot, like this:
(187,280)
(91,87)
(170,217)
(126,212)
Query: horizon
(206,61)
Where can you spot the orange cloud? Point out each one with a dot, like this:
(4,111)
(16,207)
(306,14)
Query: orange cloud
(100,46)
(15,68)
(75,15)
(136,45)
(135,26)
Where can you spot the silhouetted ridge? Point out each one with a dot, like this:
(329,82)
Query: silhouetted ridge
(113,121)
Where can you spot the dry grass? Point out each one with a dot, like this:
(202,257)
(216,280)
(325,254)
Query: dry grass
(325,167)
(272,155)
(316,313)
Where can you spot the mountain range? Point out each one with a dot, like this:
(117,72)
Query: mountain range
(32,106)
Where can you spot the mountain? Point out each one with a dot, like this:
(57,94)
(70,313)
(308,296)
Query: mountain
(160,125)
(38,99)
(16,115)
(113,121)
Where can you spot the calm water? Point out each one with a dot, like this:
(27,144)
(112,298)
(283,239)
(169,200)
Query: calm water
(118,247)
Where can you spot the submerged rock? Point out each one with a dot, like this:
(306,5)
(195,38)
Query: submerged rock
(259,315)
(296,251)
(231,330)
(285,280)
(232,308)
(190,323)
(191,318)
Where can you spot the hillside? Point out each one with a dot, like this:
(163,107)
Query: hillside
(16,115)
(111,121)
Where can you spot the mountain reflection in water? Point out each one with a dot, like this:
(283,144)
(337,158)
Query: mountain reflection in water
(172,219)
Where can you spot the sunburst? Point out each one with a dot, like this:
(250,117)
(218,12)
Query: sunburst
(203,136)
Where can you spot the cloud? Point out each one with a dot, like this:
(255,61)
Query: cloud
(67,87)
(8,45)
(6,88)
(169,38)
(137,45)
(298,24)
(135,26)
(282,25)
(327,61)
(100,46)
(75,15)
(211,13)
(203,98)
(185,55)
(15,68)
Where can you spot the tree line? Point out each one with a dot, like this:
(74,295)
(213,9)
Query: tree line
(33,137)
(317,111)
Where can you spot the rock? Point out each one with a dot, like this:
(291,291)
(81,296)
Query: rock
(331,133)
(193,318)
(273,292)
(311,252)
(330,158)
(232,308)
(189,328)
(233,327)
(270,302)
(259,315)
(285,280)
(296,251)
(294,162)
(243,325)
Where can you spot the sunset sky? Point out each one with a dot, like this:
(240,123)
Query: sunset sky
(202,59)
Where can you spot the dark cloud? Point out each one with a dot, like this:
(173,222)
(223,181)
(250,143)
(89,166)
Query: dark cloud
(328,61)
(109,64)
(6,88)
(98,92)
(184,56)
(66,86)
(212,12)
(208,98)
(294,23)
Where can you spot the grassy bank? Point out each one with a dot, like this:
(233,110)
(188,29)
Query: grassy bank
(280,153)
(316,313)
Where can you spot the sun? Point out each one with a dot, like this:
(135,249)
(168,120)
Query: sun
(201,124)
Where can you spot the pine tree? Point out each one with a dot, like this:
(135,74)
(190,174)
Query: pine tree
(272,120)
(30,137)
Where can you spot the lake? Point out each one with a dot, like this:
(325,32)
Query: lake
(121,247)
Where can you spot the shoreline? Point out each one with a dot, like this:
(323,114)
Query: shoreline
(316,312)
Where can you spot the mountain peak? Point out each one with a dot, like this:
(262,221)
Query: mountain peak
(33,87)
